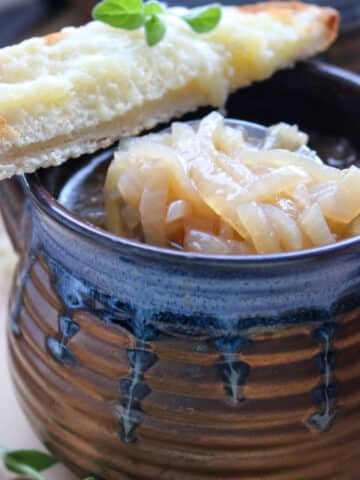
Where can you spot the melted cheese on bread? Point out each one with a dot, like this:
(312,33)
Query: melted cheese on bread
(83,88)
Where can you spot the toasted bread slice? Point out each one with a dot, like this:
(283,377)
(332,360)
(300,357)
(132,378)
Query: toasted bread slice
(81,89)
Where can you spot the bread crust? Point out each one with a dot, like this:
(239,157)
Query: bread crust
(6,131)
(53,38)
(285,10)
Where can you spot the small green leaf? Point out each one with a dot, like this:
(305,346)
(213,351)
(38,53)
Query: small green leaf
(24,470)
(152,8)
(133,5)
(127,14)
(203,20)
(155,30)
(28,462)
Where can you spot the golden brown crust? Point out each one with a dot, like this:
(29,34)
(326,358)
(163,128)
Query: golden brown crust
(3,128)
(6,130)
(285,11)
(332,20)
(53,38)
(275,7)
(3,124)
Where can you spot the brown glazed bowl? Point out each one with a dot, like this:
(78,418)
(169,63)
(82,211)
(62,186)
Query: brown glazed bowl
(133,362)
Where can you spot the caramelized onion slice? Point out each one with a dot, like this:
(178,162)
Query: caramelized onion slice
(258,228)
(315,227)
(153,207)
(203,242)
(285,227)
(205,188)
(178,210)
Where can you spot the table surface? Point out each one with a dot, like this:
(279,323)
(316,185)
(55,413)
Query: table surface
(15,432)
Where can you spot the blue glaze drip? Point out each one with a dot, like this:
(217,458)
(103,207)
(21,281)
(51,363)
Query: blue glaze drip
(69,327)
(232,371)
(138,391)
(133,390)
(142,358)
(230,339)
(73,294)
(131,418)
(60,351)
(231,344)
(77,295)
(325,393)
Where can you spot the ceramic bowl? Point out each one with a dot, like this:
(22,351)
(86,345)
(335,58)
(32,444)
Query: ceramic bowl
(133,362)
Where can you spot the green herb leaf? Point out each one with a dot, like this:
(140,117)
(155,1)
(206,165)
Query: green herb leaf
(26,471)
(127,14)
(203,20)
(133,14)
(28,462)
(152,8)
(155,30)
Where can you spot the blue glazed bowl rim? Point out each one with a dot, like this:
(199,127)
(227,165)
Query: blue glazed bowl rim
(49,205)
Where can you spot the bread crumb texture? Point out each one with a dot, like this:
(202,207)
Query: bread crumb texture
(70,92)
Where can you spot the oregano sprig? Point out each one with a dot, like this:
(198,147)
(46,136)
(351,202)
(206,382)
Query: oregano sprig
(203,20)
(155,29)
(29,463)
(134,14)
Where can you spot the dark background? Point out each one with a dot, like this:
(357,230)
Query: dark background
(22,18)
